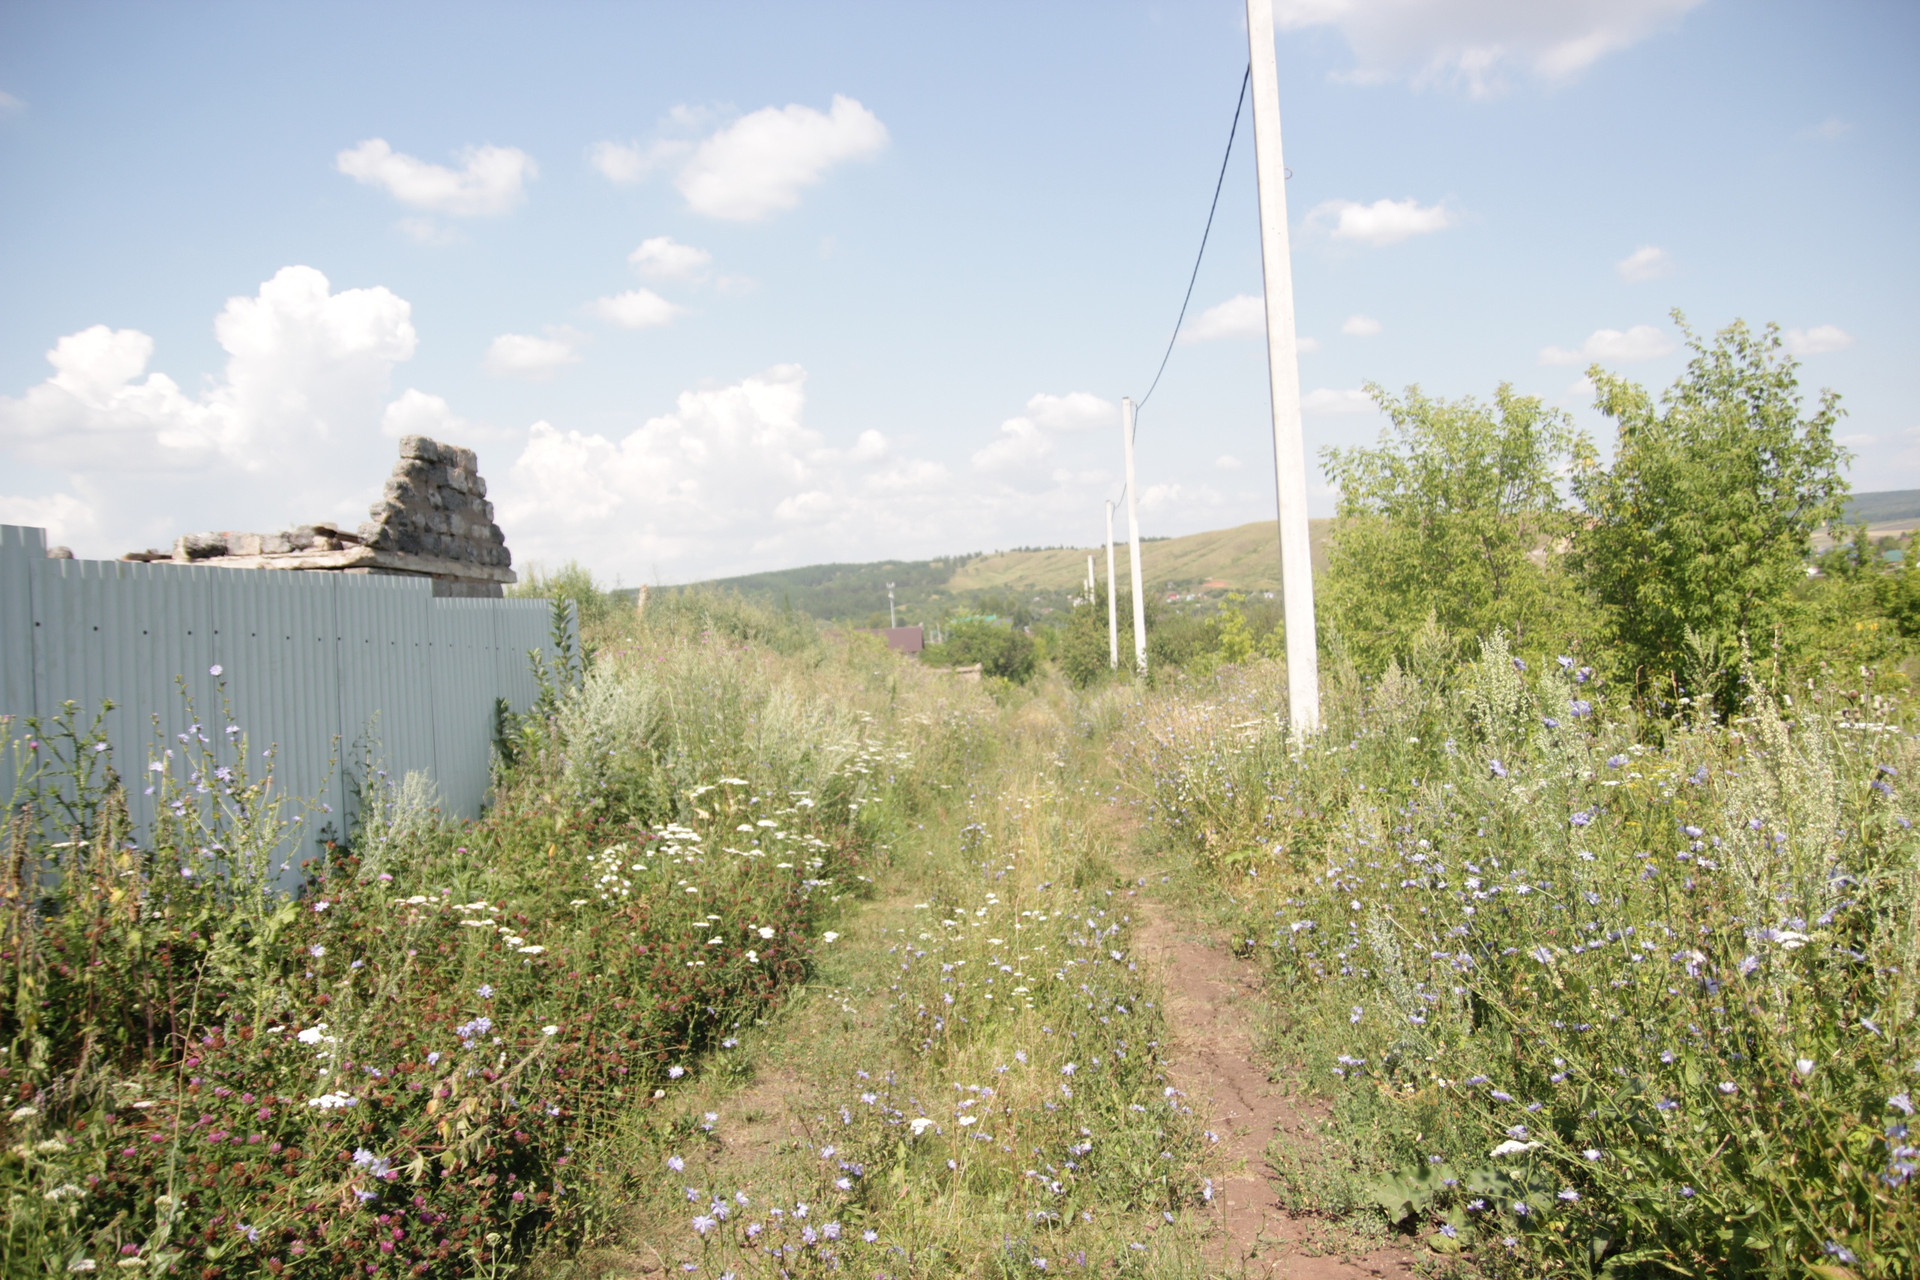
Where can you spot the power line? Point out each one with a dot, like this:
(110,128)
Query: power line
(1238,103)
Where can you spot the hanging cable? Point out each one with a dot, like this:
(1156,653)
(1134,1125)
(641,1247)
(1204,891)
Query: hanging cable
(1238,103)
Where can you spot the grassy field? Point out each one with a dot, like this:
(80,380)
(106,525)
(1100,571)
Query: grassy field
(1244,559)
(777,955)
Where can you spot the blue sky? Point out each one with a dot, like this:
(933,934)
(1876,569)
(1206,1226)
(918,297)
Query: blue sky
(714,288)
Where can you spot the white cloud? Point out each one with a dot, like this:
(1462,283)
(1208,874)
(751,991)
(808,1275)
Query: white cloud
(664,258)
(66,519)
(300,399)
(1020,444)
(733,480)
(1331,400)
(636,309)
(1645,263)
(1160,497)
(1642,342)
(1227,462)
(1473,47)
(1857,439)
(761,162)
(1360,327)
(525,355)
(1383,222)
(491,180)
(1242,316)
(1819,340)
(1075,411)
(625,163)
(416,413)
(303,364)
(1581,387)
(1306,346)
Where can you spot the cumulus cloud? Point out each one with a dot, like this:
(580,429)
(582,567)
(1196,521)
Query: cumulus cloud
(1306,346)
(416,413)
(625,163)
(1021,443)
(307,374)
(760,163)
(1645,263)
(1242,316)
(1642,342)
(490,180)
(1818,340)
(66,518)
(636,309)
(303,363)
(733,479)
(664,258)
(1075,411)
(1475,48)
(1227,462)
(526,355)
(1383,222)
(1360,327)
(1332,400)
(870,447)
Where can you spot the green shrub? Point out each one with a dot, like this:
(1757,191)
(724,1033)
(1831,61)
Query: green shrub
(1584,991)
(1005,652)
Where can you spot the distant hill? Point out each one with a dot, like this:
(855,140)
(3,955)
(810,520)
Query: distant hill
(1204,565)
(1884,507)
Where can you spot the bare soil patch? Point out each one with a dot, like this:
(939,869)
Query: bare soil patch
(1213,1004)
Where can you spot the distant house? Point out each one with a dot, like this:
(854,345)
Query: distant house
(907,640)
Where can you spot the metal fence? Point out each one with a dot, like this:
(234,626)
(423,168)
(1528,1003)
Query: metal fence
(314,665)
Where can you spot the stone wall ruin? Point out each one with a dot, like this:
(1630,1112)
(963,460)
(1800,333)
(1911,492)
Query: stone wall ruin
(432,520)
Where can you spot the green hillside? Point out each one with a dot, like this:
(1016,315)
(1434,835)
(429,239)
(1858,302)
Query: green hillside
(1036,582)
(1884,507)
(1033,582)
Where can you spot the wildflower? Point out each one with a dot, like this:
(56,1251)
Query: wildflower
(1580,708)
(920,1125)
(1356,1014)
(551,1029)
(1728,1086)
(702,1223)
(829,936)
(1569,1195)
(1497,769)
(1521,1208)
(484,991)
(676,1164)
(1068,1070)
(1583,817)
(870,1235)
(320,906)
(1686,1192)
(1902,1103)
(1803,1065)
(675,1072)
(831,1231)
(1592,1153)
(213,670)
(433,1058)
(316,951)
(1837,1250)
(1616,761)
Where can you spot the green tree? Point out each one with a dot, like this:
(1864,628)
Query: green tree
(1454,515)
(1002,651)
(593,604)
(1699,532)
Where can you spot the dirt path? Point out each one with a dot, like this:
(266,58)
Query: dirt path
(1212,1003)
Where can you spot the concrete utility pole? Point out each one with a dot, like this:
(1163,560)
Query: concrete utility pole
(1113,599)
(892,621)
(1133,542)
(1283,376)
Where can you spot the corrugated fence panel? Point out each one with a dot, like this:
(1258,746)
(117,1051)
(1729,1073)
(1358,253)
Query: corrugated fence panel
(386,686)
(140,637)
(275,642)
(465,684)
(308,661)
(20,550)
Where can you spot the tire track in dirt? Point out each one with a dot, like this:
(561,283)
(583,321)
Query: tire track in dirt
(1211,1001)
